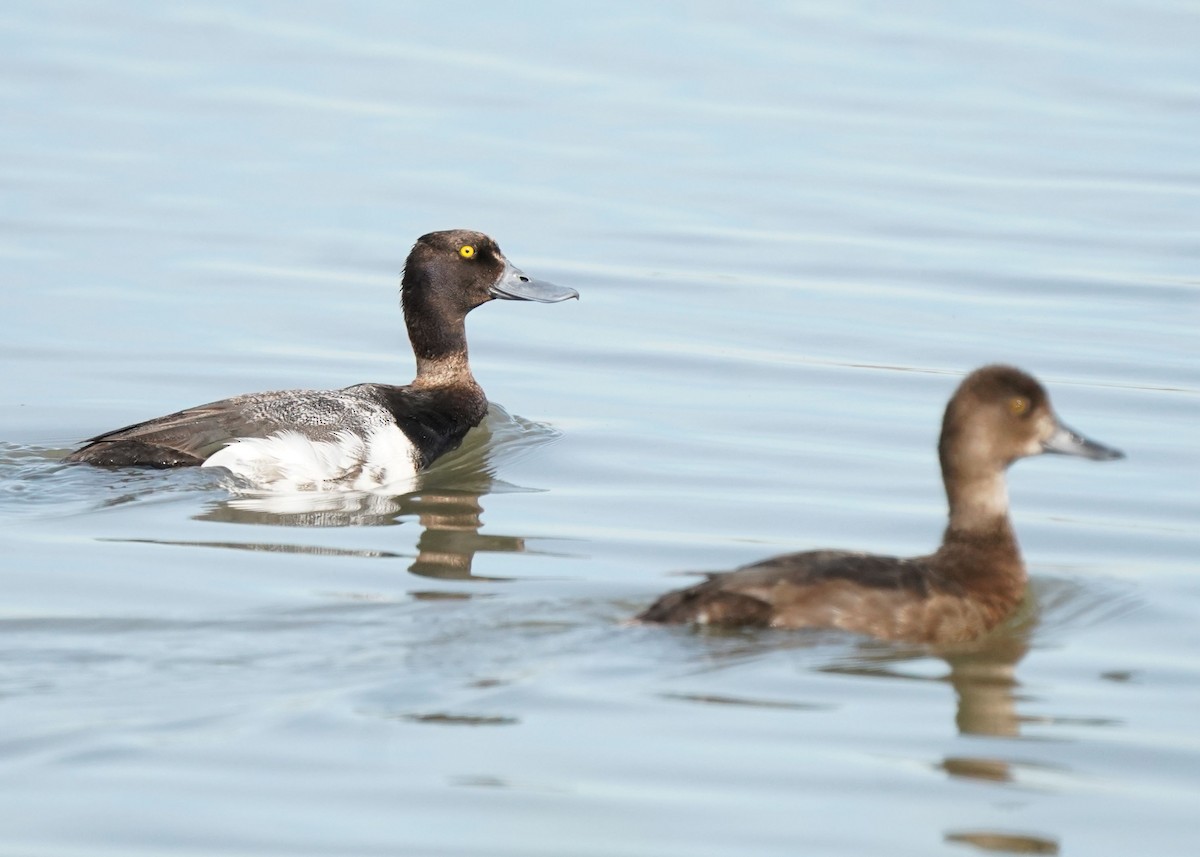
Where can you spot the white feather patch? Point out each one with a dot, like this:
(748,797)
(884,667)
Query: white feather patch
(289,461)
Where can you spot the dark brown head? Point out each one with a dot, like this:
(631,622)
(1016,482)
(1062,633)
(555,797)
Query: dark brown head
(448,274)
(1000,414)
(459,269)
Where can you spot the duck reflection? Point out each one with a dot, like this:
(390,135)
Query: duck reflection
(1004,842)
(983,678)
(983,674)
(445,501)
(986,690)
(450,536)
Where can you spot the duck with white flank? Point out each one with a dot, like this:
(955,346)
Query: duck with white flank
(362,437)
(965,588)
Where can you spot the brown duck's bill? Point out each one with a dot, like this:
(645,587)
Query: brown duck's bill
(515,285)
(1066,441)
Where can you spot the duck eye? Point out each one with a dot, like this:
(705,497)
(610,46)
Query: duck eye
(1018,405)
(466,251)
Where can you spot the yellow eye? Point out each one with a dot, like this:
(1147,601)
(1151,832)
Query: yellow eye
(466,251)
(1018,405)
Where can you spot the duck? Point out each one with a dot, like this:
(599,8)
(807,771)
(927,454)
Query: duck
(956,594)
(361,437)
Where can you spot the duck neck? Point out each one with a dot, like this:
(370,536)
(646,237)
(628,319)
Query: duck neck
(444,370)
(439,342)
(979,548)
(978,502)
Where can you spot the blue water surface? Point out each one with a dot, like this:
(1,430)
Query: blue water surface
(794,225)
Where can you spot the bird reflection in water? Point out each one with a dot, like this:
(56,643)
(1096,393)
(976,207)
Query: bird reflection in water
(444,501)
(984,677)
(983,674)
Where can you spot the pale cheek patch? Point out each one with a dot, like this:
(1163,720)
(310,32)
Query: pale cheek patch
(290,461)
(1046,427)
(976,450)
(976,445)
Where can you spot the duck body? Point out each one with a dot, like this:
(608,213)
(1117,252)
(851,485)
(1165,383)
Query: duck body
(924,599)
(969,585)
(362,437)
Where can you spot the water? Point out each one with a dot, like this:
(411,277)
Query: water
(794,226)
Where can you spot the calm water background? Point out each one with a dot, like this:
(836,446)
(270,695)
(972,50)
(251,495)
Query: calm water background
(795,226)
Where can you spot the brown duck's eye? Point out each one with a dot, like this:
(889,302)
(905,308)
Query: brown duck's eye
(1018,405)
(466,251)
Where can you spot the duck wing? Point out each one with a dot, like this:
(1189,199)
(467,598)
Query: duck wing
(754,594)
(188,437)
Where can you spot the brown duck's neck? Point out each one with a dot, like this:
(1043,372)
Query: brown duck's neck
(985,560)
(997,541)
(979,536)
(978,501)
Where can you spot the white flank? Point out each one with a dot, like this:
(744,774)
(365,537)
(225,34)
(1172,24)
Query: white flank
(289,461)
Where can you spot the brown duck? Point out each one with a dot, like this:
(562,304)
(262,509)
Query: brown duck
(962,590)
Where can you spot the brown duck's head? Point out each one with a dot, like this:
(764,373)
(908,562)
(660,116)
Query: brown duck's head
(1000,414)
